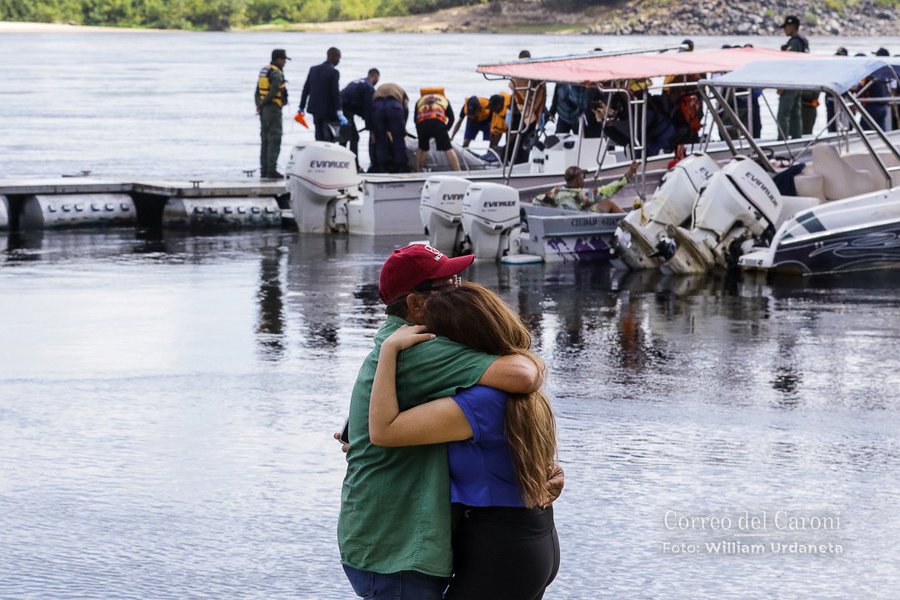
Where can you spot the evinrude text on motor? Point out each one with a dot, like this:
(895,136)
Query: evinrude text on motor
(323,186)
(739,207)
(440,207)
(491,220)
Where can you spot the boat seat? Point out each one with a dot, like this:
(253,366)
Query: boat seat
(840,179)
(810,184)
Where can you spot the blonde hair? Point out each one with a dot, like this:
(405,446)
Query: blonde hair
(475,316)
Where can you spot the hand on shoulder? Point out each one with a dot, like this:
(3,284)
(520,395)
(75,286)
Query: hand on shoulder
(407,336)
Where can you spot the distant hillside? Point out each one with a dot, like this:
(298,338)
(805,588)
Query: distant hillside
(624,17)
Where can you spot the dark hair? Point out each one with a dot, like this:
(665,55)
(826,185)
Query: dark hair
(524,54)
(374,71)
(495,102)
(398,307)
(333,52)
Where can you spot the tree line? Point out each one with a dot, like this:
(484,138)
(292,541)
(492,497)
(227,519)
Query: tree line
(211,14)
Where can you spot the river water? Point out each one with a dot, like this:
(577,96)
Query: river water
(179,105)
(167,403)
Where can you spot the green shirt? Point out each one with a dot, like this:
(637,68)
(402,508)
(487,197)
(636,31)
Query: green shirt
(395,502)
(580,198)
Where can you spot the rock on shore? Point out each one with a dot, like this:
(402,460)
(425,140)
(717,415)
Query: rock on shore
(643,17)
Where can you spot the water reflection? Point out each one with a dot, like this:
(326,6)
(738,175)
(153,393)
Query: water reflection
(270,323)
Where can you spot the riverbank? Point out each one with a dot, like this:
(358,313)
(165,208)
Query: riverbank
(28,27)
(632,17)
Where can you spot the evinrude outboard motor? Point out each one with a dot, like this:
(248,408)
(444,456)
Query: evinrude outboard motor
(641,240)
(322,179)
(440,207)
(490,218)
(740,203)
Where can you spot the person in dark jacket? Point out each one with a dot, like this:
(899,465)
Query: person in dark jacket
(356,99)
(790,119)
(324,95)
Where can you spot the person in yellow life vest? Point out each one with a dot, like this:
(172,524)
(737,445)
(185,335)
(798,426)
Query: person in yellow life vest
(499,105)
(434,117)
(477,115)
(270,95)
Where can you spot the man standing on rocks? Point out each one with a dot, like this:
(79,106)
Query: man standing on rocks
(790,120)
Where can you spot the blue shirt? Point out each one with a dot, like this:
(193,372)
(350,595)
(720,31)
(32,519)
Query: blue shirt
(481,469)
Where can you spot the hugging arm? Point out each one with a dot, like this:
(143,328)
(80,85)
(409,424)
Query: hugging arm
(513,373)
(433,422)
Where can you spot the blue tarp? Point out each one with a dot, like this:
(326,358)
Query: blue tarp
(838,74)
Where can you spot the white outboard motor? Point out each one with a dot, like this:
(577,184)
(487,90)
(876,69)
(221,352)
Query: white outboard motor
(740,202)
(322,179)
(641,240)
(440,207)
(491,221)
(4,213)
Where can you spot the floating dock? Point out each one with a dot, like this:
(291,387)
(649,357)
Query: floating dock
(86,202)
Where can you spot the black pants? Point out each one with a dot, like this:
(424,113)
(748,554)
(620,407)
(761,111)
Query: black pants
(503,554)
(390,150)
(324,132)
(349,135)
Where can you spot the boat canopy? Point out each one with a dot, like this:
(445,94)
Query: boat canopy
(587,70)
(837,74)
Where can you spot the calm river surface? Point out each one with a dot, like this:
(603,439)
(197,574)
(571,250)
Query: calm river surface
(166,405)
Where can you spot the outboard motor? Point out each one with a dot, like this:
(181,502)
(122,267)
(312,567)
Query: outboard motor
(322,179)
(641,240)
(740,203)
(440,207)
(490,218)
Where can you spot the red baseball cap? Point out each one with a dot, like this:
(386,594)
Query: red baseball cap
(413,265)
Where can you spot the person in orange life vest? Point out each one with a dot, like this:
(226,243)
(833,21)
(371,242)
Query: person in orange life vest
(434,117)
(477,115)
(499,105)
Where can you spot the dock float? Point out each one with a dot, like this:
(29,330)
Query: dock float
(86,202)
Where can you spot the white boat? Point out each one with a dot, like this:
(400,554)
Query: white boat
(845,215)
(327,195)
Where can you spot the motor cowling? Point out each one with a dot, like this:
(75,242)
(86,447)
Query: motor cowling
(490,218)
(322,177)
(741,192)
(641,240)
(440,207)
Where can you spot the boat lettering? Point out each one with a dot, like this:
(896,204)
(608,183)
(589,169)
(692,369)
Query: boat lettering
(452,197)
(499,203)
(329,164)
(762,186)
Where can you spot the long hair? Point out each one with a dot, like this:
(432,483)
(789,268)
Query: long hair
(475,316)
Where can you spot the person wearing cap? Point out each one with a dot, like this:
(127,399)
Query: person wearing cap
(477,114)
(322,91)
(790,114)
(356,99)
(394,524)
(270,95)
(574,196)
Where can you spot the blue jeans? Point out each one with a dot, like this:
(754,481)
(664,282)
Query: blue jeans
(405,585)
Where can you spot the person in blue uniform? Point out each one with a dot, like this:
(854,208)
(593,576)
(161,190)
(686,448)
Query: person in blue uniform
(356,99)
(321,97)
